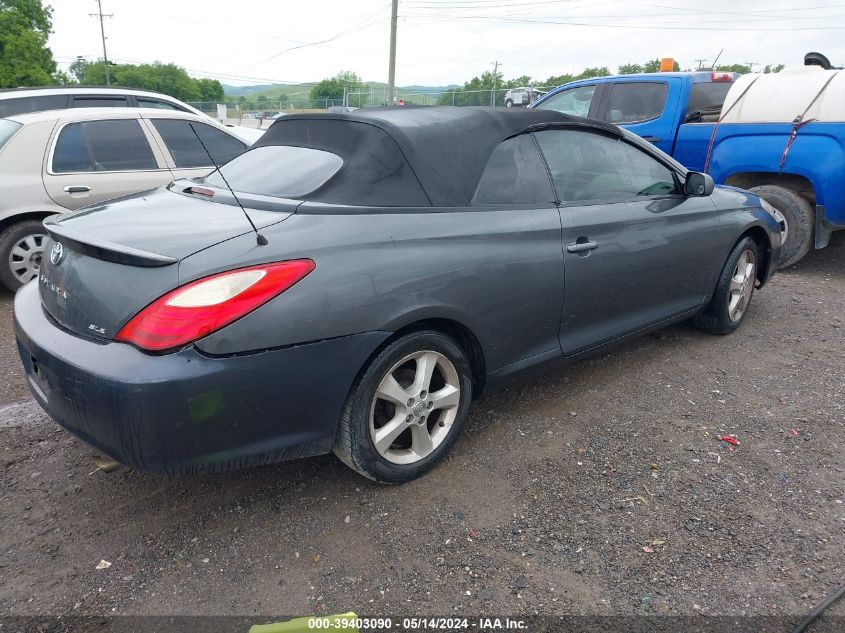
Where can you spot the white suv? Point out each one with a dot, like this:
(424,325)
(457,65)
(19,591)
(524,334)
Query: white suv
(58,161)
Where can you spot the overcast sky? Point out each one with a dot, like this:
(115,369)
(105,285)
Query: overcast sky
(443,41)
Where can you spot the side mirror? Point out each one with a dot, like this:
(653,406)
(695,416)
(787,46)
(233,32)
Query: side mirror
(698,184)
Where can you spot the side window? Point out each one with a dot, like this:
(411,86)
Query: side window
(158,104)
(706,100)
(95,101)
(21,105)
(188,152)
(636,101)
(514,174)
(574,101)
(593,166)
(103,146)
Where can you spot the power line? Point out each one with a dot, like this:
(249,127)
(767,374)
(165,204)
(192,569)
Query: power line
(649,27)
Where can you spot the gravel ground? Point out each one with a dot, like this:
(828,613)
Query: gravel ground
(598,488)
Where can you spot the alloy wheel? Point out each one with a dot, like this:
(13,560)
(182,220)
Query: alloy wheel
(742,285)
(414,407)
(25,257)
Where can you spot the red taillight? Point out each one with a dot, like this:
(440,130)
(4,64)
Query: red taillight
(722,77)
(201,307)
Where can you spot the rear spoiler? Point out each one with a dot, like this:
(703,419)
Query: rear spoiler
(101,249)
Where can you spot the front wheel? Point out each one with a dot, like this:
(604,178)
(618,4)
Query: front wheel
(730,302)
(407,410)
(21,249)
(508,103)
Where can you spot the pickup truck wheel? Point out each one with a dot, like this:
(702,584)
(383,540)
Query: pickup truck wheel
(730,301)
(21,248)
(508,103)
(799,218)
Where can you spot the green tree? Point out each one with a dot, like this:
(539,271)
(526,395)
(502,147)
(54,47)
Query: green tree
(734,68)
(773,69)
(587,73)
(333,88)
(476,91)
(211,90)
(165,78)
(25,59)
(519,82)
(630,69)
(77,69)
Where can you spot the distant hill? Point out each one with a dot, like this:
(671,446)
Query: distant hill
(237,91)
(430,88)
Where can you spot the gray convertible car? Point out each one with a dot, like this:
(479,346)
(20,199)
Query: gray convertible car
(352,282)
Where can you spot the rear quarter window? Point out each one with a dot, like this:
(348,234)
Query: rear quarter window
(181,140)
(22,105)
(634,102)
(514,174)
(706,101)
(7,130)
(100,102)
(281,171)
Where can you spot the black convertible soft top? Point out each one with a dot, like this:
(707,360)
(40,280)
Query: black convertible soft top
(411,156)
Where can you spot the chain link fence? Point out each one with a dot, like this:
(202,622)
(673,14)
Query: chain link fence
(260,109)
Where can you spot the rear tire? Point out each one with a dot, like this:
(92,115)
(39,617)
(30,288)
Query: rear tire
(508,103)
(800,221)
(21,249)
(730,301)
(396,424)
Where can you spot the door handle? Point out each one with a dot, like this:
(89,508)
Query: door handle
(580,247)
(77,189)
(652,139)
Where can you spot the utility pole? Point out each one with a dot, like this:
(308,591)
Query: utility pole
(700,62)
(391,72)
(751,66)
(495,75)
(102,16)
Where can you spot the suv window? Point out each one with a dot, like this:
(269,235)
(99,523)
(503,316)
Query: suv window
(7,129)
(157,103)
(707,100)
(21,105)
(633,102)
(186,149)
(97,101)
(592,166)
(118,145)
(282,171)
(575,101)
(515,174)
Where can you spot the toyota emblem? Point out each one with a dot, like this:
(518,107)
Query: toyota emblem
(57,253)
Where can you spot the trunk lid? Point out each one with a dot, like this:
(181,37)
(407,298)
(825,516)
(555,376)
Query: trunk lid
(105,263)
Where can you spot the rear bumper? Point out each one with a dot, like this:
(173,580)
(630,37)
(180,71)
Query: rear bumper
(186,412)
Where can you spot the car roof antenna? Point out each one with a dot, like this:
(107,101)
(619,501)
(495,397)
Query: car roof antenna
(260,239)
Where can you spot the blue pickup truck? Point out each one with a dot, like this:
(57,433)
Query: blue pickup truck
(781,135)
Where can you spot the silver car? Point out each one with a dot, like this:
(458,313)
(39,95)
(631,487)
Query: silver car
(61,160)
